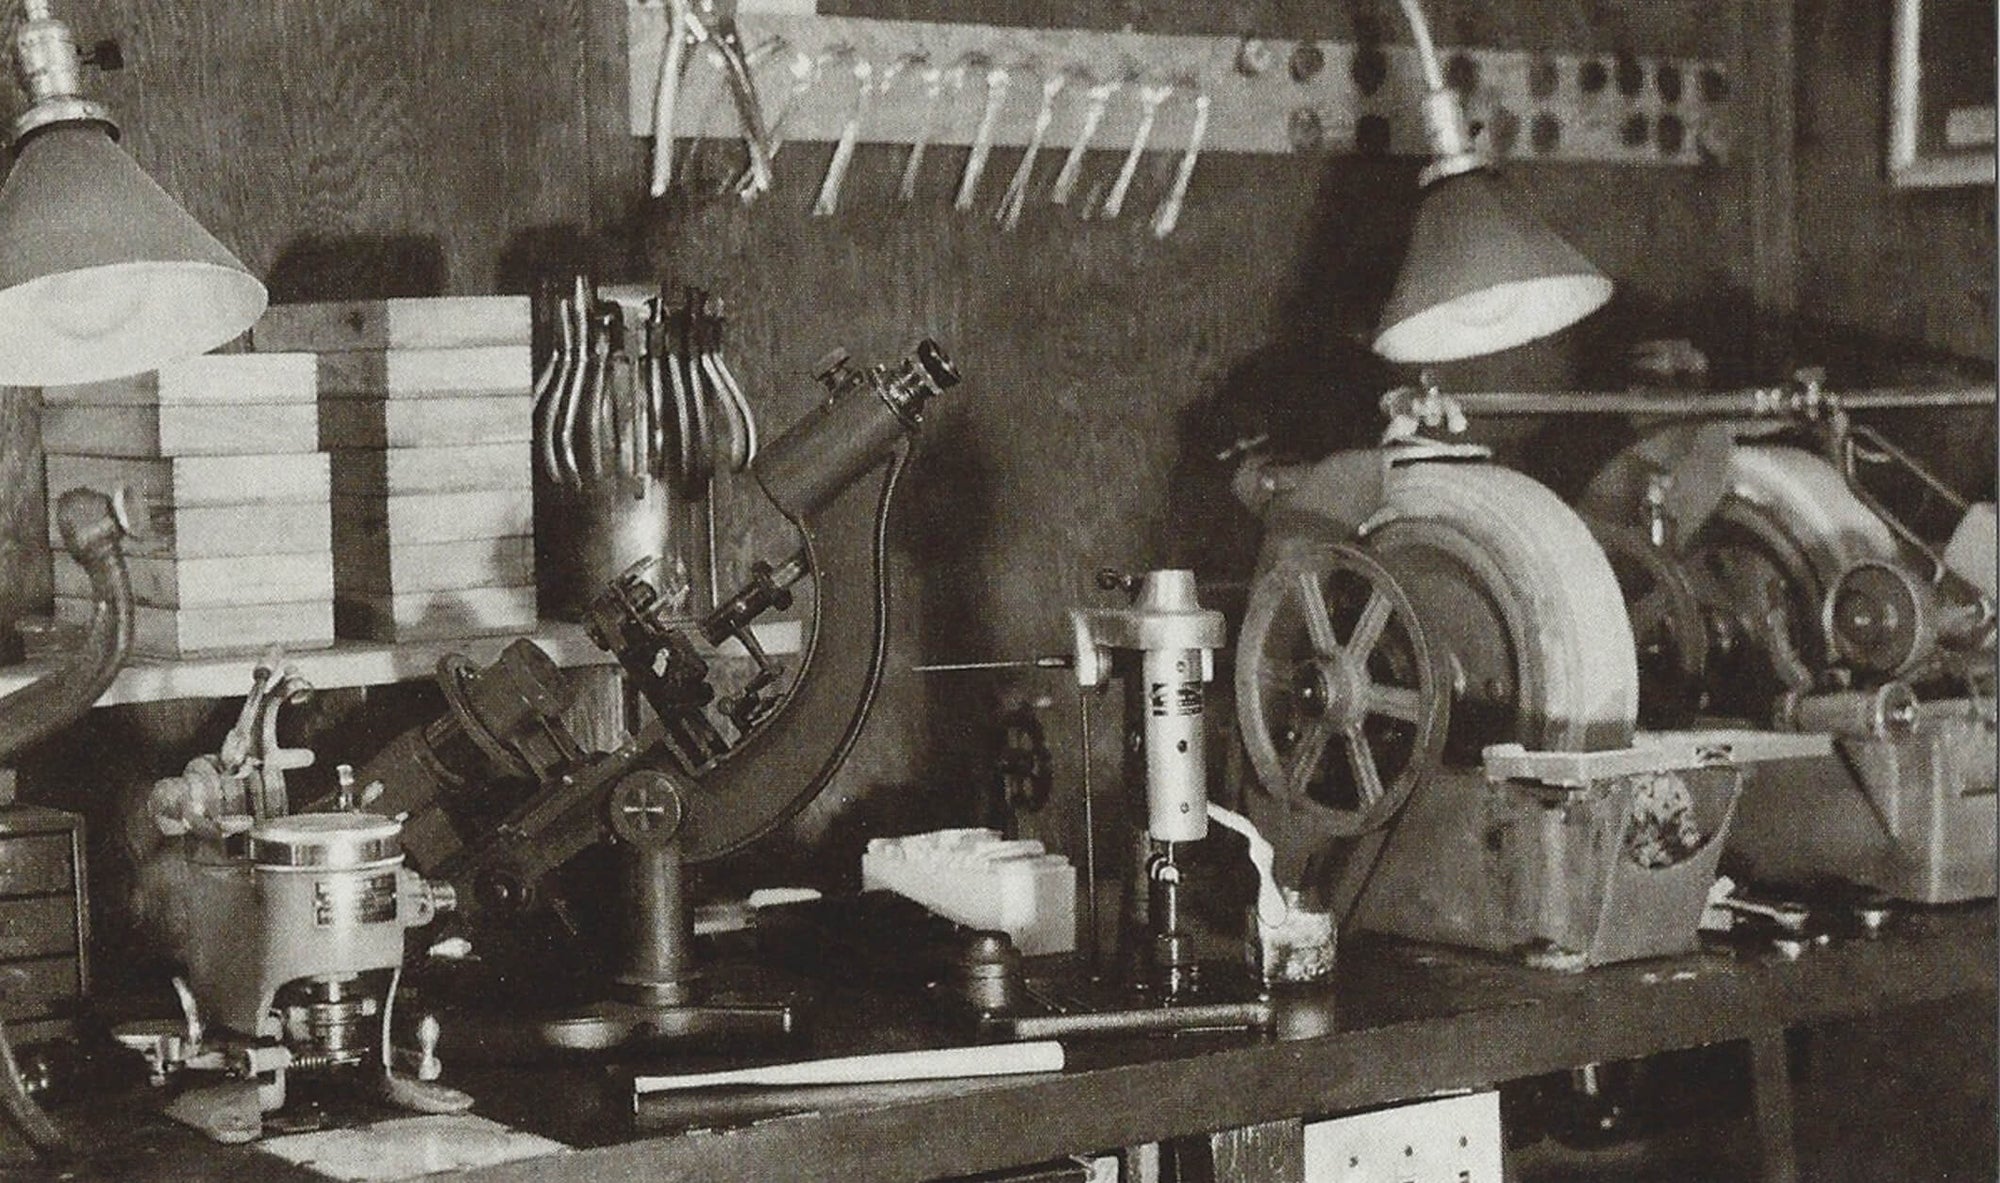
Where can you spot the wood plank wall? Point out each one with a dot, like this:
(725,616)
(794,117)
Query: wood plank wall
(369,147)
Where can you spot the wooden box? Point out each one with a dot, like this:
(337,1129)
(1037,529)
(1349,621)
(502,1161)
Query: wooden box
(219,404)
(233,553)
(230,378)
(404,518)
(188,507)
(232,628)
(435,615)
(192,429)
(449,468)
(369,565)
(438,322)
(426,373)
(44,922)
(214,582)
(354,423)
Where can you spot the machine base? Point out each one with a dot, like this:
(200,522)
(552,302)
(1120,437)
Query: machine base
(1912,818)
(1564,869)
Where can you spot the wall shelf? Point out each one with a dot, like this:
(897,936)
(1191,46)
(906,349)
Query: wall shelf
(347,663)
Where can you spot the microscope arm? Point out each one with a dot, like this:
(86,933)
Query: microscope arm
(779,766)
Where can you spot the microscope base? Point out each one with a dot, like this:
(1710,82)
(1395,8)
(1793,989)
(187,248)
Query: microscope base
(612,1023)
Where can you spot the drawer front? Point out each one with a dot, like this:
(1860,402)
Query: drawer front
(38,865)
(37,927)
(34,989)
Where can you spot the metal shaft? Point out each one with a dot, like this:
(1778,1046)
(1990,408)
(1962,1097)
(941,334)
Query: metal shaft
(1753,402)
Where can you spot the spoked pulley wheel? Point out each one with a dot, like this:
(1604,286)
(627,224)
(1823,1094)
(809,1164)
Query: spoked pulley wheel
(1343,708)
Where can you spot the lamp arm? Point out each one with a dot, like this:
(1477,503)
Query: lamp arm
(91,530)
(1427,53)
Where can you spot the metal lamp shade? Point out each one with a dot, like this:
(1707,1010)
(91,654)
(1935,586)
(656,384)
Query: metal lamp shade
(102,274)
(1482,275)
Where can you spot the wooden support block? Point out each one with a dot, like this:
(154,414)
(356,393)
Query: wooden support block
(210,378)
(439,322)
(208,531)
(214,582)
(213,429)
(427,373)
(452,468)
(425,423)
(168,482)
(431,616)
(436,517)
(369,563)
(243,628)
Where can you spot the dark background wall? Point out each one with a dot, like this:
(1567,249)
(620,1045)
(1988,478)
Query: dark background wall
(352,148)
(411,147)
(372,149)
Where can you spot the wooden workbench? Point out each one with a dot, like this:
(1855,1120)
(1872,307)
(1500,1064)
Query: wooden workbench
(1402,1022)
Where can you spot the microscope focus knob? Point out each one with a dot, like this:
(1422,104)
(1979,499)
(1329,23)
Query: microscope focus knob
(646,809)
(942,371)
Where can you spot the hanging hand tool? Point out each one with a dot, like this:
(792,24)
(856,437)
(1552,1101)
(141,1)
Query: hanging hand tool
(558,373)
(576,380)
(711,23)
(997,77)
(1150,98)
(666,94)
(936,81)
(752,57)
(1009,213)
(804,69)
(1169,214)
(723,389)
(1096,99)
(850,134)
(717,20)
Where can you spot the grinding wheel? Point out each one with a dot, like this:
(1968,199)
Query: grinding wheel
(1761,564)
(1474,609)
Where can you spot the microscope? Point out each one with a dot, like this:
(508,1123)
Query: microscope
(499,795)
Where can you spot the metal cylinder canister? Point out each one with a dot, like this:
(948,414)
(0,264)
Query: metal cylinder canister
(1176,762)
(330,890)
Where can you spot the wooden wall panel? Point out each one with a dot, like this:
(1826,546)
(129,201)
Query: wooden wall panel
(1894,284)
(370,147)
(1888,276)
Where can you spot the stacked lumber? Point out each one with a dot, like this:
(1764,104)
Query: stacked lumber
(228,493)
(426,407)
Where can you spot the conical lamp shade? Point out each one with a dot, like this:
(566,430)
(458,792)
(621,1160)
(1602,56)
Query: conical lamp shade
(102,274)
(1482,275)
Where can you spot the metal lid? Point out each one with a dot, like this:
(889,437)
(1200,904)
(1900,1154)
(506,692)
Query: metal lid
(325,840)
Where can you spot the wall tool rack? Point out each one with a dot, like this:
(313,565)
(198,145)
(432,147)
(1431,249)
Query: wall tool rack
(934,83)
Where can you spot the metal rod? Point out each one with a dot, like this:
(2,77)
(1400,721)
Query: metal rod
(1060,661)
(1753,402)
(1089,835)
(1877,440)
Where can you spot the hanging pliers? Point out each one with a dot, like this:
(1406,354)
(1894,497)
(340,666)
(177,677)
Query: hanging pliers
(711,23)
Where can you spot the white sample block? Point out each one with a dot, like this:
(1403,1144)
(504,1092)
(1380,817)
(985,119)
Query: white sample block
(981,880)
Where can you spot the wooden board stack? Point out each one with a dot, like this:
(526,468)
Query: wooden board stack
(426,406)
(229,494)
